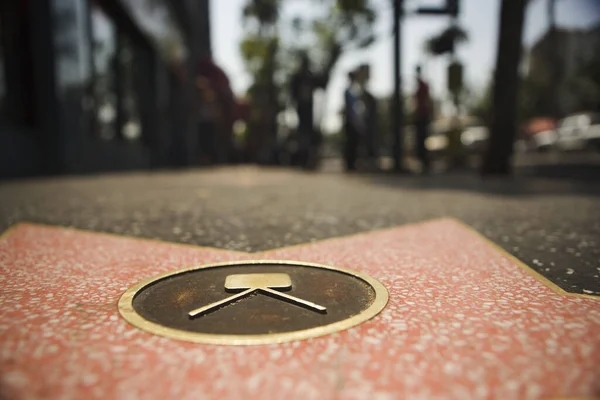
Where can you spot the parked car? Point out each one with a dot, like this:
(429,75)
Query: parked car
(592,133)
(539,134)
(544,140)
(475,138)
(578,132)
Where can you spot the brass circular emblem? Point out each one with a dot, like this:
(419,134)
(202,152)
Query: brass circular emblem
(253,302)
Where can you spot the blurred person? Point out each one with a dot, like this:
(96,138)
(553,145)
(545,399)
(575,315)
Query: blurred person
(206,144)
(216,114)
(422,118)
(179,152)
(370,116)
(353,119)
(261,129)
(303,85)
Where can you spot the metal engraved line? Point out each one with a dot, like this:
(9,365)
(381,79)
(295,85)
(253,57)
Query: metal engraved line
(251,283)
(217,304)
(295,300)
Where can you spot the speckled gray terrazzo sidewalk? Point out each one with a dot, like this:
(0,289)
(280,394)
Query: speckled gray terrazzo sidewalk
(551,225)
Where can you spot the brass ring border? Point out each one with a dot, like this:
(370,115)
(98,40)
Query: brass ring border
(126,310)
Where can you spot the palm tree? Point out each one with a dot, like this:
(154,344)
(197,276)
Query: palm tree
(506,81)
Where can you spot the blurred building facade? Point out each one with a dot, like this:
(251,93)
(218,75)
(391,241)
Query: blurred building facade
(98,85)
(558,58)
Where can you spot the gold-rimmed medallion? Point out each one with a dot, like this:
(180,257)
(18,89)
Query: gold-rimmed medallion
(253,302)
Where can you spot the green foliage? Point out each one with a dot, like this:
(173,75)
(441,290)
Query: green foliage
(272,47)
(352,22)
(535,95)
(266,12)
(537,90)
(341,25)
(534,98)
(532,101)
(347,25)
(481,105)
(257,51)
(386,113)
(259,47)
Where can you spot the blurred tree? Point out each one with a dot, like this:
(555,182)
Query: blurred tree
(537,94)
(345,26)
(532,101)
(506,83)
(335,27)
(271,48)
(259,49)
(265,12)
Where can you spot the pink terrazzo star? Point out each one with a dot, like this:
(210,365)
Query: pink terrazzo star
(464,321)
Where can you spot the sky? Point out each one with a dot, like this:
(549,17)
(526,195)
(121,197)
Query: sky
(478,17)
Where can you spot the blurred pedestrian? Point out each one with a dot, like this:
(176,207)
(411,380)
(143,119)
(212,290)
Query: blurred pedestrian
(370,137)
(353,120)
(422,118)
(303,85)
(206,119)
(216,114)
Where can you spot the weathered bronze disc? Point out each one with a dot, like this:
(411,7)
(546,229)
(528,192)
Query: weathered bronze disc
(253,302)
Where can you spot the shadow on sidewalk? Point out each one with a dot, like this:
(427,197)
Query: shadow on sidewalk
(526,181)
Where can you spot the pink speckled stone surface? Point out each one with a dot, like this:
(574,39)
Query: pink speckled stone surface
(463,321)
